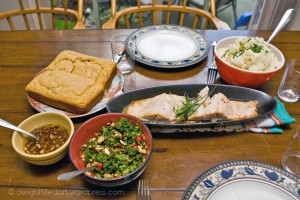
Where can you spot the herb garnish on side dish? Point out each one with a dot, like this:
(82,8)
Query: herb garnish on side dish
(242,48)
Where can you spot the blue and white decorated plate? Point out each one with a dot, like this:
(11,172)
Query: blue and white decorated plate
(244,180)
(167,46)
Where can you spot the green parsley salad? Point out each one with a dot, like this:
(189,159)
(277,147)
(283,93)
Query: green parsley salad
(115,151)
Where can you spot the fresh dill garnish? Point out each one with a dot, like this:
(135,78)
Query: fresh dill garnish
(238,53)
(190,106)
(256,39)
(241,50)
(224,53)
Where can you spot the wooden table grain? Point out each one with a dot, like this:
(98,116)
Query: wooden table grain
(24,53)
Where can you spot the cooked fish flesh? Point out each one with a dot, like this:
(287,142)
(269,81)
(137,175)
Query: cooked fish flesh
(158,108)
(218,107)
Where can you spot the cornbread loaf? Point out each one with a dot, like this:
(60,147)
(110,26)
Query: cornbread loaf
(73,82)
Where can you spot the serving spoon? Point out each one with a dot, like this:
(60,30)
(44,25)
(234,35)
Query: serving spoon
(286,18)
(13,127)
(69,175)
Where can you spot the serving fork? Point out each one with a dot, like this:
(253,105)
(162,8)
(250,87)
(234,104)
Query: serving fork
(212,67)
(143,190)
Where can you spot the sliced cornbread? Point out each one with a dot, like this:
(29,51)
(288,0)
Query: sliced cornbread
(73,82)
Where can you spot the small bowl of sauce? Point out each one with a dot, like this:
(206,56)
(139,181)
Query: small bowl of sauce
(54,131)
(51,137)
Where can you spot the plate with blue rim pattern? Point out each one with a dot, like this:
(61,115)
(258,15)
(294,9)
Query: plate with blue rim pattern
(167,46)
(244,180)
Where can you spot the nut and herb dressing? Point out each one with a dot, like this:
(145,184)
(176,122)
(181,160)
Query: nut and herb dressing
(51,137)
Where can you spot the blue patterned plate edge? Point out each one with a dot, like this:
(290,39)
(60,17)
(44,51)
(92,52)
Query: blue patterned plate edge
(213,178)
(200,54)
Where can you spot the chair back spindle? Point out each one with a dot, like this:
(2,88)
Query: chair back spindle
(38,12)
(122,18)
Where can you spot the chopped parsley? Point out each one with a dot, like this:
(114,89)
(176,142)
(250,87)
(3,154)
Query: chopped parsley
(254,48)
(115,151)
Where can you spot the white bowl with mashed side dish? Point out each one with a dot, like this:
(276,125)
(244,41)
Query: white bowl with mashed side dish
(247,61)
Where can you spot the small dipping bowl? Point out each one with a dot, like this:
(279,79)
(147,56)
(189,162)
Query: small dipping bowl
(36,121)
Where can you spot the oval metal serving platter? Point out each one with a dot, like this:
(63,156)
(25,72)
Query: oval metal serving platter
(266,103)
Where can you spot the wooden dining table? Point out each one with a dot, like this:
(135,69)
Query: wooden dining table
(169,172)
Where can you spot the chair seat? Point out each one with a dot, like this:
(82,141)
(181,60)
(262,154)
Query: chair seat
(243,21)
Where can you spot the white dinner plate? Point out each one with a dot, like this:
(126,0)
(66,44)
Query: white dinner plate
(244,180)
(167,46)
(116,86)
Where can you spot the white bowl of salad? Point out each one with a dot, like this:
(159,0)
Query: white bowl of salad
(115,147)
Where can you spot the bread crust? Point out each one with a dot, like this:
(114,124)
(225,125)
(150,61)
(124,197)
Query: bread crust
(73,82)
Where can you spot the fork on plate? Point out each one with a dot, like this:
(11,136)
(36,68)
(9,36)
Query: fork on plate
(143,190)
(212,67)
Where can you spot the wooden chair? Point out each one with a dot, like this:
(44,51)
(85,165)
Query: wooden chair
(43,14)
(124,15)
(223,4)
(220,5)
